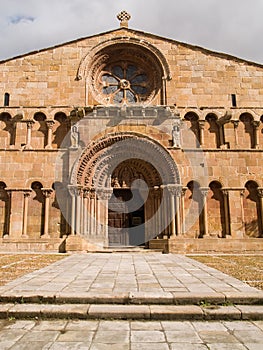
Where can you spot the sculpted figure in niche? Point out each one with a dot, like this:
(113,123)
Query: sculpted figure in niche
(74,137)
(176,134)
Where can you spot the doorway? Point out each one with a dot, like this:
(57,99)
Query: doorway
(126,218)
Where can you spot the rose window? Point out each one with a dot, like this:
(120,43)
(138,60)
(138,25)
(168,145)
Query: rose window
(124,83)
(125,73)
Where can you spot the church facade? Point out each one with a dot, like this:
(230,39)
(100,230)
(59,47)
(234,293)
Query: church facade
(129,139)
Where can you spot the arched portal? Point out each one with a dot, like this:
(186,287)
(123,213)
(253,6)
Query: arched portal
(124,189)
(131,203)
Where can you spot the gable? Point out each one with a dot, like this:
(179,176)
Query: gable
(193,76)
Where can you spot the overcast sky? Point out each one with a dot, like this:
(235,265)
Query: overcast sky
(231,26)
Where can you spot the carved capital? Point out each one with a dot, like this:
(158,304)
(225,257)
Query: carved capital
(156,192)
(92,193)
(175,190)
(86,192)
(255,124)
(224,192)
(47,192)
(204,191)
(184,189)
(235,123)
(50,123)
(104,193)
(27,194)
(260,192)
(201,124)
(242,192)
(30,123)
(72,190)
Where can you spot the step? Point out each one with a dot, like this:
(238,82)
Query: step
(127,249)
(134,298)
(130,312)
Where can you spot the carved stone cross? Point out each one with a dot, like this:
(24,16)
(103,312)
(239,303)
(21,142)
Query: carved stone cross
(124,18)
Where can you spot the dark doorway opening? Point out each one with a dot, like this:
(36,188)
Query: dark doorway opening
(126,218)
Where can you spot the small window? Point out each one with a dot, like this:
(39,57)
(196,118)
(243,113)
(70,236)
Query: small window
(6,99)
(234,100)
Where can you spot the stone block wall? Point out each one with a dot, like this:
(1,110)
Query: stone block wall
(219,153)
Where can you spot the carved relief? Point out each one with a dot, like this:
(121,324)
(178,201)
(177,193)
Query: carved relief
(99,161)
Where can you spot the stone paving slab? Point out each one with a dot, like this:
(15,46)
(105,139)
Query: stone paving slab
(124,278)
(130,335)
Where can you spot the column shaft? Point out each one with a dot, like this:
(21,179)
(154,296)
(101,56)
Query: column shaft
(204,192)
(25,214)
(49,124)
(260,194)
(178,218)
(46,193)
(29,124)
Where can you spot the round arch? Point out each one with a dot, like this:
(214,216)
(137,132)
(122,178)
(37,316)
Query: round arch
(87,60)
(97,163)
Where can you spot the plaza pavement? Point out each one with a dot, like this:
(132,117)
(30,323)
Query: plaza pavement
(132,301)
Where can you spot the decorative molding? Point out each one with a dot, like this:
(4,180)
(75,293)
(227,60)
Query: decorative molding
(88,59)
(99,160)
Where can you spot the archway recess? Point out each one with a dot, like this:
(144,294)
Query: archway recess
(115,164)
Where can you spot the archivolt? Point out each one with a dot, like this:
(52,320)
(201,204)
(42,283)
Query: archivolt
(97,163)
(87,60)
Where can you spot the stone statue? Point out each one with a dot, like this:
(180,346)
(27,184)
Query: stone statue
(74,137)
(176,134)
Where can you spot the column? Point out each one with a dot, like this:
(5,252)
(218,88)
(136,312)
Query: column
(157,210)
(79,193)
(184,189)
(46,193)
(260,194)
(72,192)
(172,193)
(220,124)
(17,212)
(256,125)
(85,209)
(165,210)
(13,133)
(226,212)
(235,123)
(49,124)
(178,193)
(201,131)
(29,124)
(103,199)
(92,212)
(204,192)
(25,213)
(236,212)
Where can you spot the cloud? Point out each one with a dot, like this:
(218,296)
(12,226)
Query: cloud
(21,19)
(230,26)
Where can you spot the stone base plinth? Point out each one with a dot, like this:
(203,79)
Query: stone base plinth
(78,243)
(216,245)
(32,245)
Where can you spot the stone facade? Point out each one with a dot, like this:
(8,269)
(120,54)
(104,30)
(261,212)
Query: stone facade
(82,122)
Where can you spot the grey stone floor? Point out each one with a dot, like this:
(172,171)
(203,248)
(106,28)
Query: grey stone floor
(113,274)
(151,274)
(130,335)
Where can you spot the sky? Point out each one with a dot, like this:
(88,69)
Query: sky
(234,27)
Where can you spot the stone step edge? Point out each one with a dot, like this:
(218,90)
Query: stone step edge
(251,298)
(132,312)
